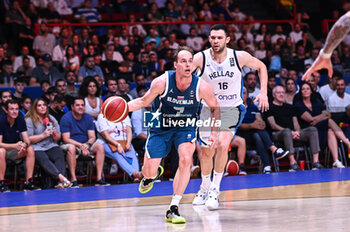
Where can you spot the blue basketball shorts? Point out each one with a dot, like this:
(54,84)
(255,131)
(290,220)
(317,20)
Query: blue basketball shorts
(159,142)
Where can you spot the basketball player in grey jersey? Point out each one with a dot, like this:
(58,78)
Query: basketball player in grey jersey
(220,56)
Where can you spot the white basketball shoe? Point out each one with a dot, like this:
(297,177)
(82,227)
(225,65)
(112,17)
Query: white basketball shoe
(212,202)
(201,197)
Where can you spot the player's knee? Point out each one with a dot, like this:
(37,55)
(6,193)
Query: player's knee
(185,161)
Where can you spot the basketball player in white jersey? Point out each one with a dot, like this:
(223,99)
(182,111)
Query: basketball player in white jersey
(221,68)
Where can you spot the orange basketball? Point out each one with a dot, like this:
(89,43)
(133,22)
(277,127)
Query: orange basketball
(115,109)
(232,168)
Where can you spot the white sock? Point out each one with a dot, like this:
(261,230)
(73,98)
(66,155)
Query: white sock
(217,179)
(175,200)
(206,181)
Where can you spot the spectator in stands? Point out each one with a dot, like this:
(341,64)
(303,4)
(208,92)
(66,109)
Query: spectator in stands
(49,14)
(62,7)
(5,95)
(144,66)
(3,55)
(261,34)
(311,111)
(71,61)
(98,47)
(109,66)
(283,121)
(330,88)
(16,20)
(15,144)
(78,134)
(116,55)
(44,138)
(173,41)
(122,90)
(312,57)
(153,13)
(25,69)
(291,90)
(45,72)
(194,41)
(275,62)
(296,34)
(271,83)
(305,42)
(221,8)
(61,86)
(140,82)
(251,85)
(125,68)
(116,138)
(299,59)
(124,37)
(19,87)
(278,34)
(90,90)
(91,14)
(139,132)
(153,34)
(25,104)
(111,86)
(205,12)
(19,59)
(141,31)
(57,106)
(7,76)
(59,53)
(70,78)
(253,131)
(89,69)
(260,52)
(339,100)
(44,42)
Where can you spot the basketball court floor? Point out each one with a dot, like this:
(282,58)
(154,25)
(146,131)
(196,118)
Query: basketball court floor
(301,201)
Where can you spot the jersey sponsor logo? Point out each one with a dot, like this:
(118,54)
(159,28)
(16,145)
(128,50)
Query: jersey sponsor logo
(153,120)
(224,97)
(218,74)
(171,91)
(180,100)
(232,62)
(192,94)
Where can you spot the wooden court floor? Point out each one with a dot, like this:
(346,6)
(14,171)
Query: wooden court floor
(306,201)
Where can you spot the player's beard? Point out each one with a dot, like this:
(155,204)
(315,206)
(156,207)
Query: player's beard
(220,50)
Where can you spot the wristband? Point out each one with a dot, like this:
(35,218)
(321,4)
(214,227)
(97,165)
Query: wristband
(325,55)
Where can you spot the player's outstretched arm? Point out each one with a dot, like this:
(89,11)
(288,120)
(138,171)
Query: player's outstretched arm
(244,58)
(157,88)
(206,93)
(323,61)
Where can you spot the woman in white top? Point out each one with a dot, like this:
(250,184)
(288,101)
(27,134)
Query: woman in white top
(90,90)
(260,53)
(117,142)
(71,61)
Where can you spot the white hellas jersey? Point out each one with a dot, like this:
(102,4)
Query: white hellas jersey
(225,78)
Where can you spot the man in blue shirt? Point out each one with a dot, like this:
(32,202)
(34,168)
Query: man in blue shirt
(89,69)
(78,134)
(15,144)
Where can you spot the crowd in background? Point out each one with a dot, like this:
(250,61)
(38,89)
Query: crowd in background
(107,61)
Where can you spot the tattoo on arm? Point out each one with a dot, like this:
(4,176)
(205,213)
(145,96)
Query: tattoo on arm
(339,30)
